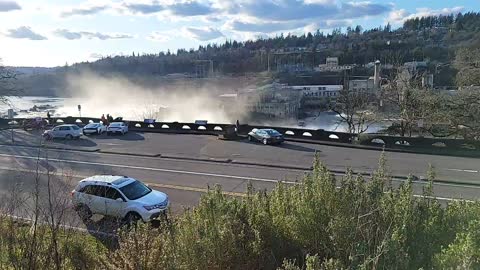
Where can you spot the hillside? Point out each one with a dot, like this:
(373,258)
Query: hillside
(434,38)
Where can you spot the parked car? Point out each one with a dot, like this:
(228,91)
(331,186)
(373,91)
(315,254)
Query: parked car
(94,128)
(34,124)
(117,127)
(266,136)
(64,132)
(118,196)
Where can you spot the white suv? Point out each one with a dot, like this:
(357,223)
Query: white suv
(118,196)
(63,131)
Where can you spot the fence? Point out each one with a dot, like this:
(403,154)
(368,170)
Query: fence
(297,133)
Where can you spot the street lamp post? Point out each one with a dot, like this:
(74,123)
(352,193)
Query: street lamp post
(10,116)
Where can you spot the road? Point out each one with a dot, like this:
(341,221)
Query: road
(289,154)
(230,164)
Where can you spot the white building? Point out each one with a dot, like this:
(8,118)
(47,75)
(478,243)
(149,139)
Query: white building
(331,61)
(274,100)
(317,95)
(318,90)
(365,85)
(331,64)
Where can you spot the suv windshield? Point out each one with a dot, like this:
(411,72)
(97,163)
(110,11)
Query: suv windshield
(135,190)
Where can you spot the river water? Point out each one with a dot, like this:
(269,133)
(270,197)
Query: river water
(62,107)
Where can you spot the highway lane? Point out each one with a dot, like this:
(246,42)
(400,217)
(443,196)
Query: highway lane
(291,153)
(180,174)
(184,181)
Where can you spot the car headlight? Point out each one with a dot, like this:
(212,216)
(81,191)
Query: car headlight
(161,205)
(149,207)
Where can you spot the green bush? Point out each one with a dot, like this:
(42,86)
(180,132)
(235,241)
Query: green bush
(348,223)
(23,247)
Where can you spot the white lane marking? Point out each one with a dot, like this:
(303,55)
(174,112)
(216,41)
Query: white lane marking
(152,158)
(397,179)
(460,170)
(149,169)
(214,175)
(443,198)
(205,174)
(424,182)
(208,174)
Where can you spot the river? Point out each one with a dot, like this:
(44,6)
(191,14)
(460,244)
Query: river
(62,107)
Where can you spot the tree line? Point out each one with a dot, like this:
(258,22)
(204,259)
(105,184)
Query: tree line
(432,37)
(414,109)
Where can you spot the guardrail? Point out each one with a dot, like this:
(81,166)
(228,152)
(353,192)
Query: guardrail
(298,133)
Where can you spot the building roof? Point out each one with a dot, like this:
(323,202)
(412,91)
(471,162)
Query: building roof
(229,95)
(320,85)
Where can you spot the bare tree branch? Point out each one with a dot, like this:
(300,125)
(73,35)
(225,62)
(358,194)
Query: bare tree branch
(7,84)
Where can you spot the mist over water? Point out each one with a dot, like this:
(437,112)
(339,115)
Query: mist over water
(180,100)
(119,96)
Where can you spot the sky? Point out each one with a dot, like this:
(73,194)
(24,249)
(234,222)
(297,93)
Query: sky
(51,33)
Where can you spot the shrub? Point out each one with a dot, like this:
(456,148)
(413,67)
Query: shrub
(348,223)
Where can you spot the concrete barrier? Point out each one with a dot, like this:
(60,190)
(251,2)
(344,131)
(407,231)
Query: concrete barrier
(411,143)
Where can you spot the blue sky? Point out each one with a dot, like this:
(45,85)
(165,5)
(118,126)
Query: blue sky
(55,32)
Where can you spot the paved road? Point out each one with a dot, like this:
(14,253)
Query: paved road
(289,154)
(173,173)
(185,180)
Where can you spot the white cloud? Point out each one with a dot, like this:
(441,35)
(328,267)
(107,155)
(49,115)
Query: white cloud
(6,5)
(102,36)
(273,16)
(401,15)
(288,10)
(172,8)
(67,34)
(143,7)
(263,27)
(397,16)
(73,35)
(190,8)
(161,36)
(24,32)
(329,24)
(88,9)
(95,56)
(202,33)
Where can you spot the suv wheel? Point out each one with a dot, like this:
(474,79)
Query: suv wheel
(84,212)
(69,137)
(250,138)
(264,141)
(132,218)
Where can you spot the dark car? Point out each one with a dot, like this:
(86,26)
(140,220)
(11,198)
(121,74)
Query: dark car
(34,124)
(266,136)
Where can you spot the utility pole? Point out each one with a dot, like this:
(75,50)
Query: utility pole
(268,60)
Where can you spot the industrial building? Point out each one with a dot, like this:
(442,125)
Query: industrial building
(332,65)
